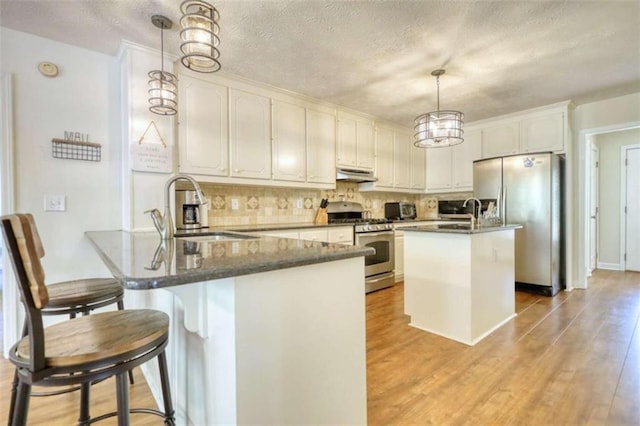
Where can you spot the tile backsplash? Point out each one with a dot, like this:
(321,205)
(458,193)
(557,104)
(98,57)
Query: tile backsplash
(265,205)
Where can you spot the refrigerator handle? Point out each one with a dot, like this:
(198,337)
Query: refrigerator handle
(504,205)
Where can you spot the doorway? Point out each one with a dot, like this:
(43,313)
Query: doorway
(593,207)
(631,210)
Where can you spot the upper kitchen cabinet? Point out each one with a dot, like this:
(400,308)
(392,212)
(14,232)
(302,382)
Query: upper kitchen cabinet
(402,155)
(384,157)
(289,141)
(249,135)
(203,127)
(450,169)
(537,130)
(418,166)
(321,146)
(355,145)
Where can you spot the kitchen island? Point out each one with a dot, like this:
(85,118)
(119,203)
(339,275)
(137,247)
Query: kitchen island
(459,282)
(264,330)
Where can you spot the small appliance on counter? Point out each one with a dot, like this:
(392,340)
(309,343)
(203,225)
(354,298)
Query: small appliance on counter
(400,211)
(187,210)
(455,209)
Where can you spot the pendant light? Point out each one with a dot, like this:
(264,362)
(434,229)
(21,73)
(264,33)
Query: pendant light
(162,84)
(438,128)
(199,36)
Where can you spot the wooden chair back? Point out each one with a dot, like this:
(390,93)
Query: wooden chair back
(21,247)
(36,237)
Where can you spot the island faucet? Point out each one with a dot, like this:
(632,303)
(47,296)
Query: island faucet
(475,216)
(164,222)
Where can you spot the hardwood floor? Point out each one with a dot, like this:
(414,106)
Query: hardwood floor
(571,359)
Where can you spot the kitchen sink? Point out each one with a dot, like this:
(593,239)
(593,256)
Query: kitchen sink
(217,236)
(466,226)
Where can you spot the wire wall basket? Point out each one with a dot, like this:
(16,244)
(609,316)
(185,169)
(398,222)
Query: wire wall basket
(76,150)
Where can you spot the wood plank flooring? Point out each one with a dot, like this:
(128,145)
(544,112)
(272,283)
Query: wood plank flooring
(568,360)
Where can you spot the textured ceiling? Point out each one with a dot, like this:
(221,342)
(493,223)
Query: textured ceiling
(376,56)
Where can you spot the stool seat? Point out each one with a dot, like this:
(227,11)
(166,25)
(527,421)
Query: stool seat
(98,337)
(83,292)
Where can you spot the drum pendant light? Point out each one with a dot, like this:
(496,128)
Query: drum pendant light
(438,128)
(199,36)
(162,84)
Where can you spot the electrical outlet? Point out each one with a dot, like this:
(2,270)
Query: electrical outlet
(235,205)
(55,203)
(375,204)
(299,203)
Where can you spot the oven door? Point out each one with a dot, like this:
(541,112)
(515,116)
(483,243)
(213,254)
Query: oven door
(384,258)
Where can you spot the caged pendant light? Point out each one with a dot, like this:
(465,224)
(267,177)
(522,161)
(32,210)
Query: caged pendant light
(162,84)
(199,36)
(438,128)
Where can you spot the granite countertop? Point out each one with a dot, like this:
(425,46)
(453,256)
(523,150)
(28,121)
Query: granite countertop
(450,228)
(141,260)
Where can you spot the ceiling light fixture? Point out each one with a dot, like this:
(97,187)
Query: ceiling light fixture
(199,36)
(438,129)
(162,84)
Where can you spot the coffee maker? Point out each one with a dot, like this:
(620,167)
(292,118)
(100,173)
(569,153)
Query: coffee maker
(187,210)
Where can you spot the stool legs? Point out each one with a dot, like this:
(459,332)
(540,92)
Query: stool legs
(85,417)
(21,407)
(166,390)
(121,308)
(122,391)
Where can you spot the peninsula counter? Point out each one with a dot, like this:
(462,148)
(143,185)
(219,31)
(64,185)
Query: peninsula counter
(264,330)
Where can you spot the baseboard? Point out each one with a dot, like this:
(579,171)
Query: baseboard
(610,266)
(537,289)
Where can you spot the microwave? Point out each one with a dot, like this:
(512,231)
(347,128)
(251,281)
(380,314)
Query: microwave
(400,210)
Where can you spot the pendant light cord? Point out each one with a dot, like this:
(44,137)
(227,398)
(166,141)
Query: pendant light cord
(161,54)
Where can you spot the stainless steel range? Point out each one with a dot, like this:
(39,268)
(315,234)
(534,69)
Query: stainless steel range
(376,233)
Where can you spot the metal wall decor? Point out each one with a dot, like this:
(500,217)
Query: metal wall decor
(163,86)
(76,150)
(199,36)
(440,128)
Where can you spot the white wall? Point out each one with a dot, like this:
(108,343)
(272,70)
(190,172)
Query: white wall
(591,119)
(84,97)
(610,185)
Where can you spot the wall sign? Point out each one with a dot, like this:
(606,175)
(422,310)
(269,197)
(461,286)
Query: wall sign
(151,156)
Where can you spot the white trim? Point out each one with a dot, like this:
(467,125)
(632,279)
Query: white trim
(623,203)
(611,266)
(10,306)
(583,181)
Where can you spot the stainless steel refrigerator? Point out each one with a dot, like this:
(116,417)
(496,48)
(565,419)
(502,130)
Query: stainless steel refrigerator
(528,190)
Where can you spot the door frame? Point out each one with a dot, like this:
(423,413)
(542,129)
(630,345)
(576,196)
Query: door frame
(623,203)
(593,239)
(10,307)
(584,186)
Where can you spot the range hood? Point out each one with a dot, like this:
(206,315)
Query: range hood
(355,175)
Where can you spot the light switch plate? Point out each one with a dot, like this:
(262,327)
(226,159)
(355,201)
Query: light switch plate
(55,203)
(234,204)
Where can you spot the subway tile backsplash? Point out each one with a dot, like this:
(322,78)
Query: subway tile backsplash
(264,205)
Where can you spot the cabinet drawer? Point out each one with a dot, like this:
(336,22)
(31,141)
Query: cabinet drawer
(341,235)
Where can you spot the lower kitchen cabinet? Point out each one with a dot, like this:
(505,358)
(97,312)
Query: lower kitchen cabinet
(337,234)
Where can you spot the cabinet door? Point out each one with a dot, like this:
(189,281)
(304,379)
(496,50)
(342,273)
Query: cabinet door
(439,169)
(384,157)
(402,153)
(542,133)
(346,155)
(462,158)
(366,149)
(203,128)
(418,166)
(321,147)
(289,142)
(249,135)
(500,140)
(399,256)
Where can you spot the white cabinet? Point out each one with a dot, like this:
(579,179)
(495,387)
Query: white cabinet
(450,169)
(537,130)
(399,256)
(501,139)
(321,146)
(355,145)
(418,167)
(384,157)
(289,141)
(542,133)
(203,128)
(249,135)
(341,235)
(402,155)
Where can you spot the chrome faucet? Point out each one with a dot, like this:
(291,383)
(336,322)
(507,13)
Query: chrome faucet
(164,222)
(475,216)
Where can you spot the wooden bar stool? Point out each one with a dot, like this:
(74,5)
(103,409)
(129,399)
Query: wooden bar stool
(80,350)
(73,298)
